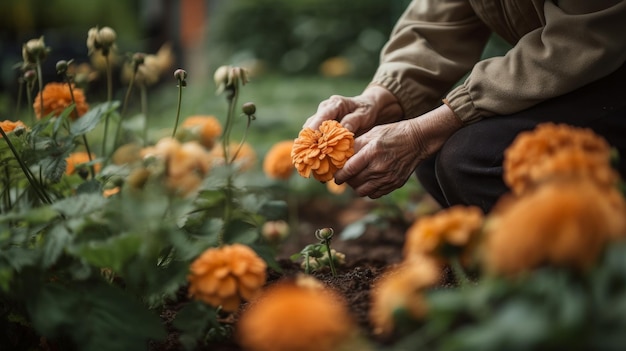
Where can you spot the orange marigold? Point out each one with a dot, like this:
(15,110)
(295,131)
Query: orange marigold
(557,150)
(57,97)
(296,317)
(227,275)
(205,129)
(564,223)
(277,163)
(456,227)
(400,289)
(76,159)
(322,152)
(9,126)
(186,164)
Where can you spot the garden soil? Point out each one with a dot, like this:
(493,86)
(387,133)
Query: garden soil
(367,258)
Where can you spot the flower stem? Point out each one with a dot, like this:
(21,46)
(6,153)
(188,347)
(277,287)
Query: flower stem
(243,139)
(144,110)
(75,112)
(126,99)
(40,81)
(232,95)
(29,97)
(331,263)
(19,97)
(180,98)
(109,98)
(29,176)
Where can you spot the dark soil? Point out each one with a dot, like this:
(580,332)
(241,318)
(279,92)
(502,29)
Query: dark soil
(367,257)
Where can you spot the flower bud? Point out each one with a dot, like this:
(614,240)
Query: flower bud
(107,37)
(34,50)
(138,58)
(221,78)
(249,108)
(30,76)
(275,231)
(180,74)
(61,67)
(324,233)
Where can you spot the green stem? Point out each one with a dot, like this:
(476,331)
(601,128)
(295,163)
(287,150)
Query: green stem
(232,102)
(109,98)
(180,98)
(75,112)
(29,176)
(7,188)
(19,98)
(243,140)
(124,107)
(40,81)
(144,110)
(29,97)
(330,257)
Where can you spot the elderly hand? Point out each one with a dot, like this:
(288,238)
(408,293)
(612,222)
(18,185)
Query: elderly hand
(376,105)
(387,155)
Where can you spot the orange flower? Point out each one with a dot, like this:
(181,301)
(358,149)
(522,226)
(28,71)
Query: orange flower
(224,276)
(245,158)
(564,223)
(277,163)
(401,289)
(322,152)
(553,150)
(57,97)
(456,227)
(76,159)
(204,128)
(335,188)
(110,192)
(9,126)
(186,164)
(296,317)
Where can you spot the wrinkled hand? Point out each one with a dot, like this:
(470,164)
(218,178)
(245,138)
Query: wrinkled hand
(376,105)
(387,155)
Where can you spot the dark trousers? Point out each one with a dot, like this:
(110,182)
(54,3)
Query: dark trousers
(468,169)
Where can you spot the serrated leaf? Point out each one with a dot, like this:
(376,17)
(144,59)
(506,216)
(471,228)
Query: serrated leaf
(112,253)
(80,205)
(238,231)
(53,168)
(192,321)
(89,187)
(90,120)
(55,242)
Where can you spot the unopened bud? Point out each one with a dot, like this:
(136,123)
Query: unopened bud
(324,233)
(61,67)
(107,37)
(249,108)
(30,76)
(138,58)
(275,231)
(34,50)
(180,74)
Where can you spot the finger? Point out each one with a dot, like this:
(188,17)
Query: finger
(329,109)
(355,165)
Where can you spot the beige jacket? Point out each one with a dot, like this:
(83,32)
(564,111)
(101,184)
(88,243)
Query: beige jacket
(558,46)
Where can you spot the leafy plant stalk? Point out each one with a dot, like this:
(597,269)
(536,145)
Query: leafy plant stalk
(109,73)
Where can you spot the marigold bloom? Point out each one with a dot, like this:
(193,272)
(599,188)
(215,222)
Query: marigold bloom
(186,164)
(9,126)
(277,163)
(226,275)
(296,317)
(456,227)
(57,97)
(566,223)
(557,150)
(110,192)
(322,152)
(245,159)
(152,68)
(205,129)
(76,159)
(401,289)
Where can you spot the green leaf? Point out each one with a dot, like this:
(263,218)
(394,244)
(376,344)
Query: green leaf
(112,253)
(80,205)
(55,242)
(274,210)
(90,187)
(91,119)
(53,168)
(192,321)
(238,231)
(357,228)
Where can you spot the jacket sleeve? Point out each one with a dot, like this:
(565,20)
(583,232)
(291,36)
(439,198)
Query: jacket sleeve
(576,46)
(433,44)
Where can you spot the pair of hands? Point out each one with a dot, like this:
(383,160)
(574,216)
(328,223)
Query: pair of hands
(388,148)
